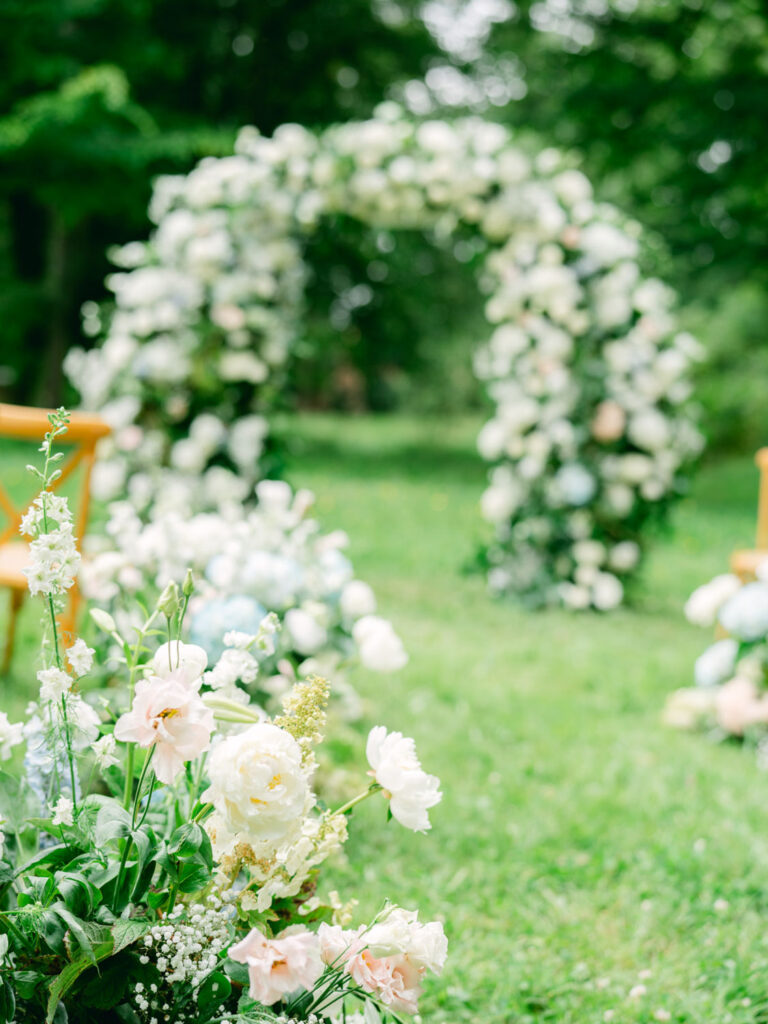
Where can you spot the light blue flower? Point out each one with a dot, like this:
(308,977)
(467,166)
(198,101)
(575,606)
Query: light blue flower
(220,615)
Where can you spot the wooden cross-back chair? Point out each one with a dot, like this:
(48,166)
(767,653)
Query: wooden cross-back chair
(744,563)
(25,423)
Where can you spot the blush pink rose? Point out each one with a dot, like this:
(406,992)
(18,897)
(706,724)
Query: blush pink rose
(395,980)
(739,706)
(169,715)
(279,966)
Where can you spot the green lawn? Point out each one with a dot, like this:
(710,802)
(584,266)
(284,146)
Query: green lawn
(581,849)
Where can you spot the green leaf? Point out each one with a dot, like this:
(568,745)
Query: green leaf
(112,822)
(56,857)
(214,990)
(7,1001)
(77,927)
(63,982)
(126,932)
(186,840)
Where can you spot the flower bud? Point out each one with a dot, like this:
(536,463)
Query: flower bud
(168,602)
(103,620)
(188,586)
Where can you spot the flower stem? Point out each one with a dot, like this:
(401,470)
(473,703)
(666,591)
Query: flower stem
(373,788)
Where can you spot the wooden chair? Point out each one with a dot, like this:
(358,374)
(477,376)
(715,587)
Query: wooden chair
(21,422)
(744,563)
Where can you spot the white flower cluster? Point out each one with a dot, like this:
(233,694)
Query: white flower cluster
(591,432)
(185,947)
(54,558)
(731,692)
(271,558)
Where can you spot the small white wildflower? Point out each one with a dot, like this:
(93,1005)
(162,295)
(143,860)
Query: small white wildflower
(80,657)
(104,752)
(637,992)
(11,734)
(63,811)
(54,684)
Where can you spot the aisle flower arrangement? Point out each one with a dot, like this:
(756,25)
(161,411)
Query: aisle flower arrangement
(593,429)
(160,861)
(269,558)
(730,697)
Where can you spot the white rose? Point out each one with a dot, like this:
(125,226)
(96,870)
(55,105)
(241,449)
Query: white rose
(399,933)
(379,646)
(649,429)
(575,484)
(624,556)
(607,592)
(258,785)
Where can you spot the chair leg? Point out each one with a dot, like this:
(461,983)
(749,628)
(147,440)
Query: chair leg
(17,600)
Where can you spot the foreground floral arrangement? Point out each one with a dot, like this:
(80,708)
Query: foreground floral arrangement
(592,431)
(731,692)
(160,863)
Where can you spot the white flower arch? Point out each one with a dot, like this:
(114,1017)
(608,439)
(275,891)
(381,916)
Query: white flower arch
(591,432)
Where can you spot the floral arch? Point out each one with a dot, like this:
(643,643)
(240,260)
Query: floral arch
(592,428)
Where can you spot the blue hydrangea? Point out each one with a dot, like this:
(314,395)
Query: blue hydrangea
(220,615)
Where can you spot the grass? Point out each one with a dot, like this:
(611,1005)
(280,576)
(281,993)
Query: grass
(581,849)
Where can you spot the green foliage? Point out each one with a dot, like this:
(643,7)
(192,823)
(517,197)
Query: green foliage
(101,95)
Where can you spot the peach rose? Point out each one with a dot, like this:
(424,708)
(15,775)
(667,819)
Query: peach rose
(279,966)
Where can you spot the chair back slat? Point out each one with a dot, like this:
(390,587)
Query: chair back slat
(83,433)
(30,424)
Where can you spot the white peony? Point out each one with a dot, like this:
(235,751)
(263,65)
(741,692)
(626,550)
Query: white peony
(398,771)
(258,784)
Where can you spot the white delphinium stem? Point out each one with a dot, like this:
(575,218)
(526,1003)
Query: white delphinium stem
(54,560)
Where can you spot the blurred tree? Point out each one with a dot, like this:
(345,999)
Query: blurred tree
(99,95)
(668,101)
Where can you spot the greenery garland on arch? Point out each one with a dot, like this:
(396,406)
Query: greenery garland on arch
(592,430)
